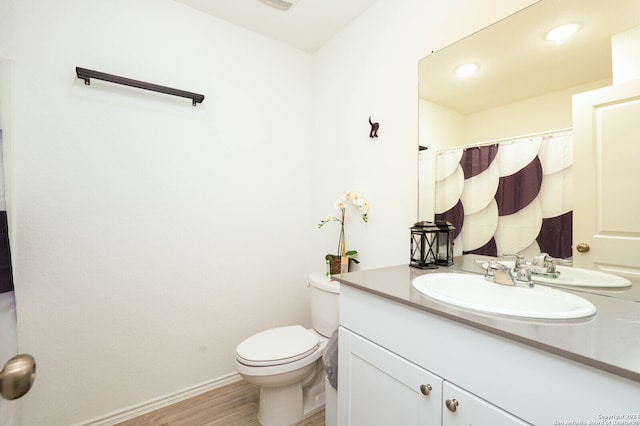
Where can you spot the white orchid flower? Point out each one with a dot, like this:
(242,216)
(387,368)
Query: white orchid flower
(359,201)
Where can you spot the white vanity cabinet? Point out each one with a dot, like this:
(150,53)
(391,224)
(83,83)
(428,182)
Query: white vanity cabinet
(385,389)
(390,346)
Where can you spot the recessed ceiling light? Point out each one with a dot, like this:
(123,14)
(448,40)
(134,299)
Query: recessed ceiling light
(562,33)
(467,70)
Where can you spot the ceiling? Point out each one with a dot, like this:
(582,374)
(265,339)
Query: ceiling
(307,25)
(517,63)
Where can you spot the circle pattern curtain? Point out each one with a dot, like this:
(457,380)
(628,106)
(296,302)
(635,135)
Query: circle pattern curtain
(514,196)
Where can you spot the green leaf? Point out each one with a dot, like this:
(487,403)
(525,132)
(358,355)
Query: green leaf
(336,256)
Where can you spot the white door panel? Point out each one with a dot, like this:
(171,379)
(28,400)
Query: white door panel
(606,179)
(17,372)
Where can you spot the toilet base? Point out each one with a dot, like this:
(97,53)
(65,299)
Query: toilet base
(287,405)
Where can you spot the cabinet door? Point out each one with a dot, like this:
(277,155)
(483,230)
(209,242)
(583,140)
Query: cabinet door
(461,408)
(377,387)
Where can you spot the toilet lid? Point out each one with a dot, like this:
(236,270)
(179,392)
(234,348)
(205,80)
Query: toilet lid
(277,346)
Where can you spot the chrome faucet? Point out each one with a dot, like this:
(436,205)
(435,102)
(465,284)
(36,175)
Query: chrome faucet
(545,265)
(501,274)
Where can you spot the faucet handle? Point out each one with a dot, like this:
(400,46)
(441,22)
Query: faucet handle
(523,275)
(491,266)
(484,263)
(499,273)
(522,271)
(540,260)
(559,260)
(520,261)
(552,262)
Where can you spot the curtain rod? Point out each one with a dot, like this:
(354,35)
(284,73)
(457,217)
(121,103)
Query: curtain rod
(87,75)
(512,139)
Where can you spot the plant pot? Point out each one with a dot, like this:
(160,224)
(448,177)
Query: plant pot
(334,265)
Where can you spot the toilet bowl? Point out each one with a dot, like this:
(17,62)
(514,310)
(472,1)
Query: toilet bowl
(286,361)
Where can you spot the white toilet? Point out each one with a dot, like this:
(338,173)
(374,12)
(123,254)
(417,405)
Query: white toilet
(286,362)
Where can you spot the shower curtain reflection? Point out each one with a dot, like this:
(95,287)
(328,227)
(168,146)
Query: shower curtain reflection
(509,196)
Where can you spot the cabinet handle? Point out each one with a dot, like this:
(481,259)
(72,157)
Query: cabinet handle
(583,247)
(425,389)
(452,405)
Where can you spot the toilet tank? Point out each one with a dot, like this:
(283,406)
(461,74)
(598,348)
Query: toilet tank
(324,303)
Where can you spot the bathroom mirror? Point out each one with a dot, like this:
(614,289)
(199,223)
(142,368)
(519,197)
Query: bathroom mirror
(523,85)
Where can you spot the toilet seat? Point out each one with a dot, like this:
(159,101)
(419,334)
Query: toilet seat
(277,346)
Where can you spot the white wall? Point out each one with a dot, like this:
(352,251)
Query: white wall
(371,68)
(543,113)
(624,54)
(151,237)
(6,23)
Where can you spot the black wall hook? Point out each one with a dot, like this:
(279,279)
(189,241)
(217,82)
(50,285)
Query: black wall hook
(374,129)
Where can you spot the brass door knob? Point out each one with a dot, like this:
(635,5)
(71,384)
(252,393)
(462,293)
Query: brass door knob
(452,405)
(17,376)
(583,247)
(425,389)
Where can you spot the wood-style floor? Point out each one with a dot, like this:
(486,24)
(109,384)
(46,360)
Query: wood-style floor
(230,405)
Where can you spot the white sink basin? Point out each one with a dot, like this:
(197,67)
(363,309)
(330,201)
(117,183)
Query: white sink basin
(578,277)
(475,293)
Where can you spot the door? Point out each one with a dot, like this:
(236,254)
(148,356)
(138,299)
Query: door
(17,372)
(606,229)
(379,388)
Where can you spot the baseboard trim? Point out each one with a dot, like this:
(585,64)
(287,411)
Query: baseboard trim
(164,401)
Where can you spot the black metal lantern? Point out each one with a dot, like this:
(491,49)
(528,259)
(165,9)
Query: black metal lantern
(444,255)
(424,245)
